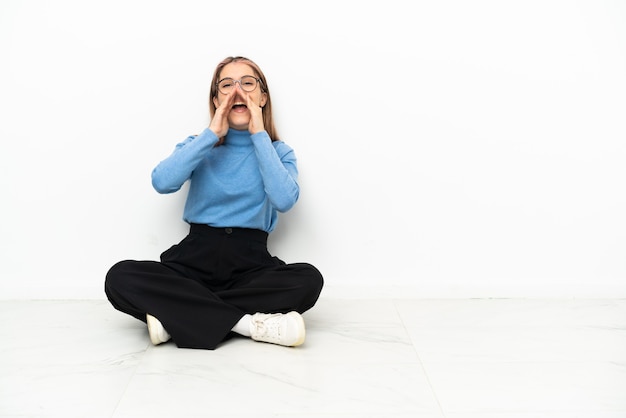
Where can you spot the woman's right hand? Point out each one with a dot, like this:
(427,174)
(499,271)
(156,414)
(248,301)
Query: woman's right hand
(219,123)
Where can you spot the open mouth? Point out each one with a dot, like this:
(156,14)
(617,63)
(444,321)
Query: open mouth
(239,106)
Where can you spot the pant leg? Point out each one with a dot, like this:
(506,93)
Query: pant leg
(279,288)
(205,284)
(190,312)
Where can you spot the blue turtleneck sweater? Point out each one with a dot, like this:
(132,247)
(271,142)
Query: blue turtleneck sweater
(242,183)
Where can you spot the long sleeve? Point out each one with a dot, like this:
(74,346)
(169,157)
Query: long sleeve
(242,183)
(279,172)
(170,174)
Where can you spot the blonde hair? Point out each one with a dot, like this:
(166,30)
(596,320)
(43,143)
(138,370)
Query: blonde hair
(268,120)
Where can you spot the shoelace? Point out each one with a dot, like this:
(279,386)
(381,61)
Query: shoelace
(268,327)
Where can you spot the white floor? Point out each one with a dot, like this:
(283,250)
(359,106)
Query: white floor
(478,358)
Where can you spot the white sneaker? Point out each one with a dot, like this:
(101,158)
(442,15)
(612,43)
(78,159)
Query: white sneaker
(283,329)
(157,333)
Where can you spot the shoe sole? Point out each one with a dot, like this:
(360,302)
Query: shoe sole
(301,326)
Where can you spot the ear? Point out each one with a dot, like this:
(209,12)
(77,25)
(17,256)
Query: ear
(216,103)
(263,99)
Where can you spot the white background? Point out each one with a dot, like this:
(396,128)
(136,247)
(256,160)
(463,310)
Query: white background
(446,148)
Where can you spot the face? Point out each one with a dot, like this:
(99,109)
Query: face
(239,115)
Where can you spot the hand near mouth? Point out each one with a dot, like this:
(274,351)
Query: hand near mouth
(237,102)
(256,116)
(219,123)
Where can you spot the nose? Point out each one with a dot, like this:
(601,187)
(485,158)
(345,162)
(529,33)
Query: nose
(239,92)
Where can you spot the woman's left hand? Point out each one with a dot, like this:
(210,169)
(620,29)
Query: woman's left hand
(256,116)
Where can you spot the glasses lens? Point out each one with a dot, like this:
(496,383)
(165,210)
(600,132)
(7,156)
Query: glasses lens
(248,83)
(226,85)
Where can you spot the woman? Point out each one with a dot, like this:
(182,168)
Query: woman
(220,279)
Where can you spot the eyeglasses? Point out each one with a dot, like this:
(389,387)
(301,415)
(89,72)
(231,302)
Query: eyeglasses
(248,83)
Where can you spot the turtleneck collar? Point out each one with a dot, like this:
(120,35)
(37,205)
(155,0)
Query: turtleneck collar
(238,138)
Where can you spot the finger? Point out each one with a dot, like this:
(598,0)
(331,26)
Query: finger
(230,99)
(250,102)
(224,106)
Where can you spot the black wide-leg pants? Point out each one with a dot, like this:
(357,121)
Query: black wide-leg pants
(206,283)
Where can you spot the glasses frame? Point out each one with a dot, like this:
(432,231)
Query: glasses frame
(258,83)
